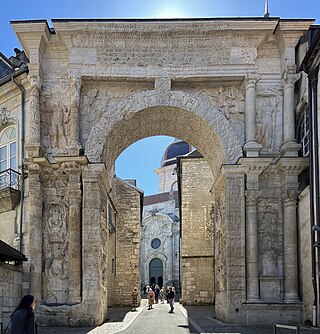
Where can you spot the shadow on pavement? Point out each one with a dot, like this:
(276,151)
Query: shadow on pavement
(117,314)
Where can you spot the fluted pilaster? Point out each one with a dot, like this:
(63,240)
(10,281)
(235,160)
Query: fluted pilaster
(74,144)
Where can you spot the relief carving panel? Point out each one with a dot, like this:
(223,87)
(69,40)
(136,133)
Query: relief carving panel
(269,120)
(55,254)
(269,239)
(55,118)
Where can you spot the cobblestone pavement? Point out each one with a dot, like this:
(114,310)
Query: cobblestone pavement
(185,320)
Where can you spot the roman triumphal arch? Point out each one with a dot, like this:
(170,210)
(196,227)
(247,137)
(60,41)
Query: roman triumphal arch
(224,86)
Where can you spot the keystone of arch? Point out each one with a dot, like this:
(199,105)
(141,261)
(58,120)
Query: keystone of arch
(124,109)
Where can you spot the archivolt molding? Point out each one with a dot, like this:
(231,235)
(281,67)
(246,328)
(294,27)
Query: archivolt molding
(198,109)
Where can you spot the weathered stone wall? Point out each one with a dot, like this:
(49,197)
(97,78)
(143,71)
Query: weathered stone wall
(8,226)
(111,266)
(197,232)
(10,290)
(305,257)
(127,202)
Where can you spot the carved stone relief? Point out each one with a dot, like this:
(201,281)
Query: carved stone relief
(269,239)
(55,118)
(104,243)
(99,98)
(56,254)
(230,102)
(269,121)
(218,214)
(4,114)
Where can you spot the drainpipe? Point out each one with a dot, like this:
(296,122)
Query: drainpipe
(315,154)
(22,140)
(313,238)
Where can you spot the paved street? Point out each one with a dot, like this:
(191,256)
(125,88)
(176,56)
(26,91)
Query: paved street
(185,320)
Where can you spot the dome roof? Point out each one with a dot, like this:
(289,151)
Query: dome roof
(177,148)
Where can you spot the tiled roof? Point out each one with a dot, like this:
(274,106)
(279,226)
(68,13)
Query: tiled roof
(8,253)
(5,69)
(159,198)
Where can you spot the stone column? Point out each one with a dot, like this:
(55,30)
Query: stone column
(289,146)
(33,139)
(74,144)
(290,241)
(251,146)
(35,229)
(93,295)
(252,245)
(235,262)
(74,230)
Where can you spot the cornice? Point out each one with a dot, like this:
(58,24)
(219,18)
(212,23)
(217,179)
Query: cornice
(255,165)
(166,25)
(292,165)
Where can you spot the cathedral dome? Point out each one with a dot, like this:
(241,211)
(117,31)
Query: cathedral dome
(177,148)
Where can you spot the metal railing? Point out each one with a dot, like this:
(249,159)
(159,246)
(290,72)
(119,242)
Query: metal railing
(10,178)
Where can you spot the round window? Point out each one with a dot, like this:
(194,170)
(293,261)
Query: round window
(155,243)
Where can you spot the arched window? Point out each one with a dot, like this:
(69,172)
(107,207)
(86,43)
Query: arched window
(8,149)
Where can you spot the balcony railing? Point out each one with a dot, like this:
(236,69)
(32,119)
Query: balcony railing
(10,178)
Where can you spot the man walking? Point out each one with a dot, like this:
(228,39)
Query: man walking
(171,299)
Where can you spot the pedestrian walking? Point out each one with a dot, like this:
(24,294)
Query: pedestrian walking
(171,299)
(156,293)
(135,298)
(23,318)
(162,295)
(150,299)
(167,291)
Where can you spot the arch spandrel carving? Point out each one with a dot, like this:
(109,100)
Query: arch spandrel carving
(140,115)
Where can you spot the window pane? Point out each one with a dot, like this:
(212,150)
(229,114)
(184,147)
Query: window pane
(3,153)
(3,165)
(12,149)
(13,163)
(13,133)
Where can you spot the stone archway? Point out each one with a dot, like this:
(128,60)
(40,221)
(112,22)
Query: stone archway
(186,116)
(196,121)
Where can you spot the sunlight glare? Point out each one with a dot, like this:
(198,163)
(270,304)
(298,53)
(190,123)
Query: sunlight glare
(170,13)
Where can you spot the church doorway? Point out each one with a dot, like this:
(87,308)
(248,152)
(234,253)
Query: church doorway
(156,272)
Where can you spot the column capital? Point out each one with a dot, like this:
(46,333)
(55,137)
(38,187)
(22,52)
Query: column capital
(35,81)
(252,197)
(289,197)
(290,78)
(251,80)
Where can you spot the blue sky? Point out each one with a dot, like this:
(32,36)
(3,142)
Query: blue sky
(140,159)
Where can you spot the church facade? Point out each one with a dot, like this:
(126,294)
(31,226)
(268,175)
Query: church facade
(160,228)
(93,87)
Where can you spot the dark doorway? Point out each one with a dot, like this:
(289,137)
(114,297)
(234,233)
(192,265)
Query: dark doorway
(156,271)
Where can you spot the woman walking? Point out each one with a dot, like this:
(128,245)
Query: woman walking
(135,298)
(150,299)
(23,318)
